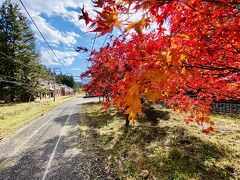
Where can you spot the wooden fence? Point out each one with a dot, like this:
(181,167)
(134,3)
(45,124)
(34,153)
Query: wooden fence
(226,107)
(222,107)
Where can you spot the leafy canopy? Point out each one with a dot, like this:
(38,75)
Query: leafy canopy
(184,53)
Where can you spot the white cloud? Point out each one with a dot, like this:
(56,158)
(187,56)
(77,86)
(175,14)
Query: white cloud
(73,34)
(61,8)
(39,9)
(73,18)
(76,69)
(52,35)
(66,57)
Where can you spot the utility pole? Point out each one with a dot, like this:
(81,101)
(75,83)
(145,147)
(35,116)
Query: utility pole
(54,90)
(54,85)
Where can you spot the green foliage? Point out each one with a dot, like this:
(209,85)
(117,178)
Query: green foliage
(78,88)
(20,70)
(66,80)
(78,85)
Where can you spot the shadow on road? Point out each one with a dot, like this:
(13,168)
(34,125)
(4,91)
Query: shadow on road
(67,162)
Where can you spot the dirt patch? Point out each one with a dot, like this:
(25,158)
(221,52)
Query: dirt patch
(97,164)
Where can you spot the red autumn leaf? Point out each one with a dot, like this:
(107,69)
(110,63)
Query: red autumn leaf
(189,66)
(98,3)
(84,49)
(106,104)
(85,16)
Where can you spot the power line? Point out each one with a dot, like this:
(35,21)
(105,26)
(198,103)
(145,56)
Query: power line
(44,47)
(13,81)
(14,59)
(94,41)
(105,39)
(16,62)
(93,44)
(43,36)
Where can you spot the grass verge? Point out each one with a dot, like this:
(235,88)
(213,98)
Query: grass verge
(13,116)
(167,150)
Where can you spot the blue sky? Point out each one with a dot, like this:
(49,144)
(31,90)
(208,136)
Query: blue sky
(58,21)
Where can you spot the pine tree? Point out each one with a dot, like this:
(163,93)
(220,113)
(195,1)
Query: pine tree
(20,69)
(8,30)
(66,80)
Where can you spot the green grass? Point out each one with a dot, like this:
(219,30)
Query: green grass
(13,116)
(168,150)
(80,92)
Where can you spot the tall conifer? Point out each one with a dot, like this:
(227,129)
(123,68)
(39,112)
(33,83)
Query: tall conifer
(20,70)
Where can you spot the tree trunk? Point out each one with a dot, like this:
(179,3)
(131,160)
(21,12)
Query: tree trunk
(127,121)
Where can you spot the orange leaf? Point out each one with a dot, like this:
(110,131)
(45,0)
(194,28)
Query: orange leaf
(106,21)
(138,26)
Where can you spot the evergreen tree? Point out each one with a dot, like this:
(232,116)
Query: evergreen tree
(20,71)
(66,80)
(9,26)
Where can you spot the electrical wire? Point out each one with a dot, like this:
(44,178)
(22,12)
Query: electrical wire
(105,39)
(14,59)
(94,40)
(43,36)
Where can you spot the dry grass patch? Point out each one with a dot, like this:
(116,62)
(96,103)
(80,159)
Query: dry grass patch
(167,150)
(13,116)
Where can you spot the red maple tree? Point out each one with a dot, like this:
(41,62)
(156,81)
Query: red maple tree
(198,53)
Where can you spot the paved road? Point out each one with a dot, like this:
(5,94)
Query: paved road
(48,148)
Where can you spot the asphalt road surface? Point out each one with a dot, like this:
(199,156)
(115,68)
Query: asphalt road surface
(48,148)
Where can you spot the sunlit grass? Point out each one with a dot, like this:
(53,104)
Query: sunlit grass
(15,115)
(80,92)
(168,150)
